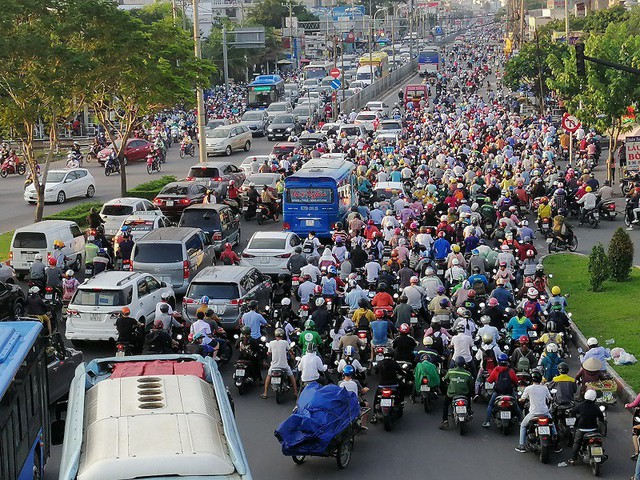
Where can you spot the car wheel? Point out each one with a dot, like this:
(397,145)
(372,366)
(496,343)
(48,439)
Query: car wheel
(247,146)
(91,191)
(228,151)
(18,309)
(61,197)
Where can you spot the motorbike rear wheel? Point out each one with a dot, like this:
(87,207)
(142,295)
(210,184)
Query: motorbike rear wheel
(595,468)
(544,454)
(149,169)
(574,244)
(4,173)
(343,457)
(462,427)
(387,421)
(279,396)
(298,459)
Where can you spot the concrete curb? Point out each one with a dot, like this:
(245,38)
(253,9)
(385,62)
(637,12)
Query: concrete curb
(624,392)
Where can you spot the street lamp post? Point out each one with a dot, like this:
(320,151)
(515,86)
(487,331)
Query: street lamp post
(371,27)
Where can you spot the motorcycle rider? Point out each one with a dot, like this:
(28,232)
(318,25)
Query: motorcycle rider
(390,373)
(587,415)
(311,367)
(381,330)
(309,336)
(268,199)
(296,262)
(519,325)
(504,381)
(196,345)
(523,351)
(539,398)
(588,202)
(564,385)
(158,341)
(69,285)
(279,351)
(254,320)
(322,317)
(596,351)
(37,271)
(404,344)
(350,384)
(460,382)
(228,256)
(129,329)
(35,307)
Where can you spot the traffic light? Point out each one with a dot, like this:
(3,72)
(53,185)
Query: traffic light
(580,59)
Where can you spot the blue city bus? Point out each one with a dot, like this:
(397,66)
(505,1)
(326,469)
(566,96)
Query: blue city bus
(24,414)
(318,195)
(265,90)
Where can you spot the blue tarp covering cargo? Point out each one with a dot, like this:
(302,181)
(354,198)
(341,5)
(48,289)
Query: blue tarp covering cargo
(323,413)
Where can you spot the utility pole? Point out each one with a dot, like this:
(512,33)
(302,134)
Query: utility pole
(290,6)
(521,23)
(566,21)
(199,93)
(225,60)
(411,29)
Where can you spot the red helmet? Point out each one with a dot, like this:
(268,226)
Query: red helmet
(317,290)
(227,245)
(396,231)
(523,340)
(493,302)
(370,222)
(379,313)
(404,328)
(52,262)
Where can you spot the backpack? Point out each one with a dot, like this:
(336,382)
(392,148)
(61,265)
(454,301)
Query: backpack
(479,287)
(503,385)
(530,310)
(307,247)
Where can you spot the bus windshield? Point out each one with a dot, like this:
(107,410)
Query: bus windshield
(262,96)
(312,71)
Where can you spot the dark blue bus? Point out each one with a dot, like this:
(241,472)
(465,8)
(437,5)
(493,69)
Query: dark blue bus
(24,413)
(265,90)
(318,195)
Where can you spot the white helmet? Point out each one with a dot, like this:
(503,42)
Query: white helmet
(590,395)
(592,342)
(552,348)
(319,302)
(38,256)
(69,273)
(34,289)
(286,302)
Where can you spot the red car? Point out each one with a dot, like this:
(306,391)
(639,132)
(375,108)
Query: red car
(136,149)
(177,196)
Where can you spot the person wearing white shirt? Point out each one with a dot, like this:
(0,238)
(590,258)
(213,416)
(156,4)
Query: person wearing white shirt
(539,398)
(311,366)
(462,345)
(279,351)
(588,202)
(373,270)
(311,270)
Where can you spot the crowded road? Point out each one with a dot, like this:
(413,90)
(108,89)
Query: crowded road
(416,447)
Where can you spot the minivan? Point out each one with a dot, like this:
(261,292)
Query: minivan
(228,287)
(39,237)
(217,220)
(174,255)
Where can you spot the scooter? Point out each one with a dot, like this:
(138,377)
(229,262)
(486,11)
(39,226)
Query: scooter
(555,244)
(111,167)
(264,212)
(153,163)
(460,412)
(187,149)
(8,167)
(539,439)
(388,405)
(592,452)
(280,383)
(504,413)
(607,210)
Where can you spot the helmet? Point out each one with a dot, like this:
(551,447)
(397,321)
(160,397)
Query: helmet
(519,310)
(590,395)
(531,253)
(38,256)
(317,290)
(493,302)
(440,290)
(551,326)
(52,262)
(285,302)
(487,338)
(552,348)
(404,329)
(455,248)
(555,290)
(444,303)
(310,325)
(348,370)
(349,351)
(165,296)
(69,273)
(588,189)
(158,325)
(460,328)
(563,368)
(379,313)
(388,353)
(460,361)
(414,279)
(232,182)
(485,319)
(455,261)
(227,245)
(204,300)
(245,330)
(523,340)
(471,293)
(253,304)
(592,342)
(428,341)
(34,289)
(332,270)
(164,308)
(503,359)
(536,376)
(532,293)
(125,311)
(279,333)
(58,243)
(319,302)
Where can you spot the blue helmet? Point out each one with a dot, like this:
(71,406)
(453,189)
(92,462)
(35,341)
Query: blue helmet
(349,370)
(204,300)
(332,270)
(503,359)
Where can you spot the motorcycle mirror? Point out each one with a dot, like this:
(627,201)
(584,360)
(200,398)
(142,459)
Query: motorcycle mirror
(554,391)
(602,408)
(297,359)
(236,336)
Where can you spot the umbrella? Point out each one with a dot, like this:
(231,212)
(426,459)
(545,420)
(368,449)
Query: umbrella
(592,364)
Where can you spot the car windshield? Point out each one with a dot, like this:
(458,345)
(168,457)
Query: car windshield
(203,172)
(366,116)
(277,107)
(30,240)
(117,210)
(99,297)
(215,291)
(390,126)
(252,116)
(283,119)
(260,180)
(55,177)
(157,253)
(215,123)
(205,219)
(174,190)
(350,130)
(266,243)
(218,133)
(308,141)
(303,110)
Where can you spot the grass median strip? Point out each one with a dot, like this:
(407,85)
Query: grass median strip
(609,314)
(76,214)
(5,245)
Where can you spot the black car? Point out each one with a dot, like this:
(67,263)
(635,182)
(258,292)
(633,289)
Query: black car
(283,126)
(310,140)
(217,220)
(12,301)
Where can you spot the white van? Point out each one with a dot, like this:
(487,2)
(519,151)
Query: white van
(39,237)
(363,75)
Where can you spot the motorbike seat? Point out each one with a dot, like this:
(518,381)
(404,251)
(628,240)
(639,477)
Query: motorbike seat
(565,406)
(590,435)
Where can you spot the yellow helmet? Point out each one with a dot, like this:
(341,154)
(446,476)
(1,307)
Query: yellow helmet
(58,243)
(588,189)
(555,290)
(456,248)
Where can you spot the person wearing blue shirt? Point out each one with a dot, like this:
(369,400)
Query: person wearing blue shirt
(441,247)
(519,325)
(596,351)
(504,296)
(329,285)
(396,176)
(253,320)
(354,295)
(376,215)
(478,277)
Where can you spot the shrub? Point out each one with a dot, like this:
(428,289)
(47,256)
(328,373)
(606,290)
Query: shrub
(620,255)
(149,190)
(76,214)
(598,267)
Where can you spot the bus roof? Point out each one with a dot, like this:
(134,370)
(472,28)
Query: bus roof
(16,339)
(324,167)
(266,80)
(179,409)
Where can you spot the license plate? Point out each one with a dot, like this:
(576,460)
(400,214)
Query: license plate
(597,451)
(276,380)
(379,358)
(29,257)
(295,283)
(169,203)
(425,388)
(414,321)
(309,223)
(533,333)
(597,459)
(120,354)
(240,372)
(440,272)
(488,385)
(48,296)
(549,240)
(571,421)
(596,215)
(264,260)
(386,402)
(218,309)
(304,313)
(505,415)
(244,209)
(461,409)
(95,317)
(544,430)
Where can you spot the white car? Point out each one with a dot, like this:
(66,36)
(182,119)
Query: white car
(63,184)
(269,252)
(140,224)
(93,310)
(369,119)
(388,190)
(381,107)
(245,166)
(115,211)
(227,139)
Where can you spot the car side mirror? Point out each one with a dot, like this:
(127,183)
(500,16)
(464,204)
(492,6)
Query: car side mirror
(163,284)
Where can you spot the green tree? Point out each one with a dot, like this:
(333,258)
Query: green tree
(620,255)
(598,267)
(270,13)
